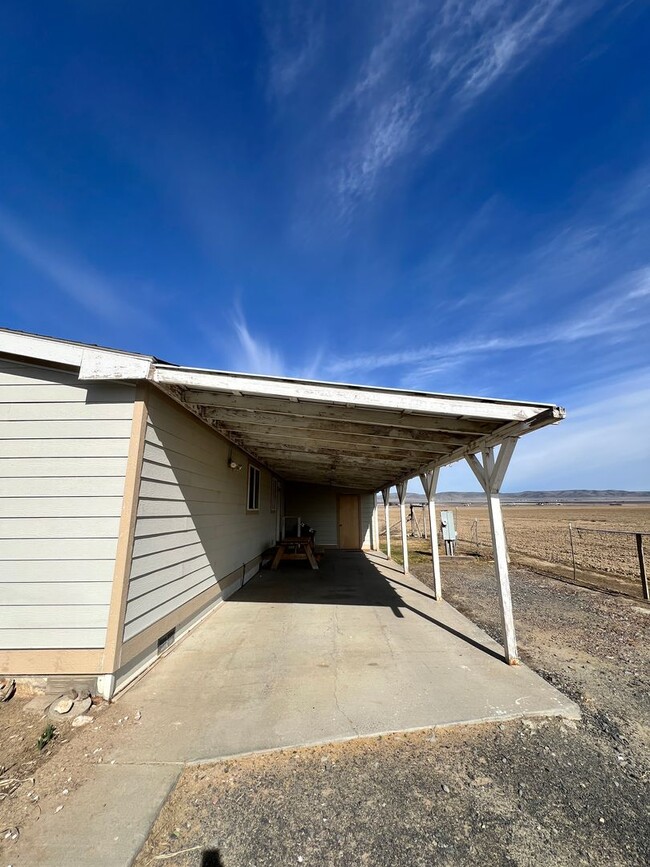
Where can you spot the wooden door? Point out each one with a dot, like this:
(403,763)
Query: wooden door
(349,535)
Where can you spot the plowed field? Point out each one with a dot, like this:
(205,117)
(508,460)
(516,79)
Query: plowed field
(542,533)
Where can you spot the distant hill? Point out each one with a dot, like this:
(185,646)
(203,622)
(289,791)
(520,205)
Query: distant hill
(568,496)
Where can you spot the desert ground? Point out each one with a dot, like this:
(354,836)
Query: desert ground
(539,536)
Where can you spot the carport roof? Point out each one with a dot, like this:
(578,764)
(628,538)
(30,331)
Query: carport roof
(347,435)
(351,436)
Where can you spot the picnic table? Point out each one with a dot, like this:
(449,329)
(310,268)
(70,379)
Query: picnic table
(295,548)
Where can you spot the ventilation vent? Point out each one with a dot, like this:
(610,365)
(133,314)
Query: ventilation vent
(165,641)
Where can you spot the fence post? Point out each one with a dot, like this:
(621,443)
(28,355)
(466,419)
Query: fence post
(644,577)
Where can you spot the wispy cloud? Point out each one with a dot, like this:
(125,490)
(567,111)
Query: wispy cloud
(251,354)
(426,69)
(602,443)
(74,277)
(610,419)
(294,36)
(622,307)
(247,352)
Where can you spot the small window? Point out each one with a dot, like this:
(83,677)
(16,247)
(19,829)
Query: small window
(253,500)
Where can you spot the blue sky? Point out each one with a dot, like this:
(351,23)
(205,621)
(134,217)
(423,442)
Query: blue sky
(449,196)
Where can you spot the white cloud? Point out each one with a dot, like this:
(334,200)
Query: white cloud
(603,442)
(252,354)
(619,309)
(72,276)
(425,70)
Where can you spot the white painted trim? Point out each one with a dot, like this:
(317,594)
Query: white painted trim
(490,474)
(430,484)
(66,352)
(99,364)
(432,404)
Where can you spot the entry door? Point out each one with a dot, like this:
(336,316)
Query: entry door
(349,535)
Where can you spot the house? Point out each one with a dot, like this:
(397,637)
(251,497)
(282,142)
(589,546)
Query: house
(138,495)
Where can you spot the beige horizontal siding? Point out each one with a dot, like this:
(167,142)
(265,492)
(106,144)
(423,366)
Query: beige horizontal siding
(74,429)
(66,486)
(84,414)
(51,467)
(43,616)
(58,571)
(63,452)
(52,638)
(192,527)
(64,507)
(59,593)
(366,503)
(317,506)
(59,528)
(18,550)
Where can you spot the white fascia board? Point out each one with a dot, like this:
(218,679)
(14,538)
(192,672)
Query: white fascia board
(92,362)
(363,397)
(40,348)
(102,365)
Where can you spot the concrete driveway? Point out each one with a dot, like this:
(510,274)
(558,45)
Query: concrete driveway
(299,657)
(294,658)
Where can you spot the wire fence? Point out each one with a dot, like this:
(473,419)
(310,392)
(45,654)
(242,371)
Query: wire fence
(581,532)
(610,554)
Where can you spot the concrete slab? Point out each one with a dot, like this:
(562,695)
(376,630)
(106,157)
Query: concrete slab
(298,657)
(295,658)
(104,823)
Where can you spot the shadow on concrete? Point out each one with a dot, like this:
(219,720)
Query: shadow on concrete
(344,578)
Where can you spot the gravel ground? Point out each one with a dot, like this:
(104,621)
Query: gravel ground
(528,793)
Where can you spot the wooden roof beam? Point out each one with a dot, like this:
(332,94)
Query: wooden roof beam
(308,410)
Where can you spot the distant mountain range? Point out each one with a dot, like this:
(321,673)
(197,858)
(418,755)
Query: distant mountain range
(570,496)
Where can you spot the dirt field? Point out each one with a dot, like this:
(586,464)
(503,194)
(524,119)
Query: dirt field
(541,533)
(532,793)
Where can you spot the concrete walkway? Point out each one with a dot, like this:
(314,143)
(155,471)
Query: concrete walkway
(295,658)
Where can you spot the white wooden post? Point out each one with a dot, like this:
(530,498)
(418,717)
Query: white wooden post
(490,475)
(374,529)
(430,483)
(401,496)
(386,497)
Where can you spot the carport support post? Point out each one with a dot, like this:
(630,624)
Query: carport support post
(375,524)
(490,475)
(430,483)
(401,496)
(385,493)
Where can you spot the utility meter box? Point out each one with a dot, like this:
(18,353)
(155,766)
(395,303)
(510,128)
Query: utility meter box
(448,530)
